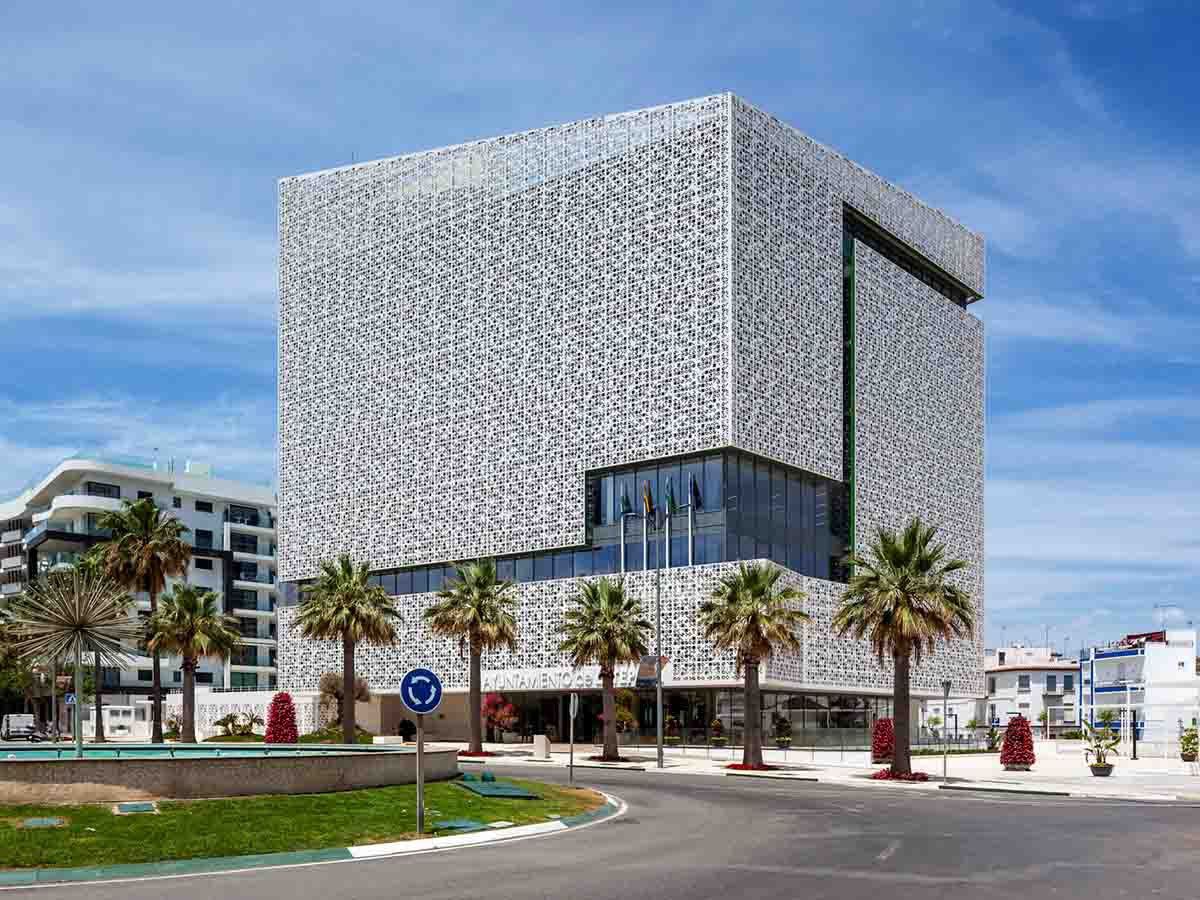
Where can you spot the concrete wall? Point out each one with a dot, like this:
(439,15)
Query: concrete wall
(106,780)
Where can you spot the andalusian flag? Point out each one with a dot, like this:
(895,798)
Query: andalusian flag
(626,503)
(647,500)
(672,506)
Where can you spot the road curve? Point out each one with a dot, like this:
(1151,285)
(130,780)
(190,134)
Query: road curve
(698,837)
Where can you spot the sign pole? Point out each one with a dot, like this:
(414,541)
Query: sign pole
(571,763)
(420,773)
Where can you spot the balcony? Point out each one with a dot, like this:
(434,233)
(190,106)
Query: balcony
(10,537)
(253,578)
(11,562)
(10,588)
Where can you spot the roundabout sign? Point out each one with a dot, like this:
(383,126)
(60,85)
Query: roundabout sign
(421,691)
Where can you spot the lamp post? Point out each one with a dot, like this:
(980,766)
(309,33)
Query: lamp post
(946,711)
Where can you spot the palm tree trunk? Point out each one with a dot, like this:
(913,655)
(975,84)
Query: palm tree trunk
(610,717)
(97,681)
(348,735)
(188,729)
(156,730)
(901,712)
(475,702)
(752,751)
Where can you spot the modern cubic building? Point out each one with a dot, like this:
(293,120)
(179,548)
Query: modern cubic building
(232,532)
(487,349)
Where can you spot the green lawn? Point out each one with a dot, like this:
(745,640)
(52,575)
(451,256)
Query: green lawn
(94,836)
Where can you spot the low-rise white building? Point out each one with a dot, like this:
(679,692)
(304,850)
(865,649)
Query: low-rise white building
(1147,678)
(232,532)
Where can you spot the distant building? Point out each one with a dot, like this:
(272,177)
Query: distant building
(232,532)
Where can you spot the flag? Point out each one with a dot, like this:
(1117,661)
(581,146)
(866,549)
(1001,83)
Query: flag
(669,500)
(626,504)
(647,500)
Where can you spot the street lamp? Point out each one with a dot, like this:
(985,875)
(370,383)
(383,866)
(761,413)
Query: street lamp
(946,712)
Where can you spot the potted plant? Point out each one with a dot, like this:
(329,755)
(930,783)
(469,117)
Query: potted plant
(717,733)
(993,738)
(1016,755)
(1100,743)
(782,728)
(1189,744)
(883,741)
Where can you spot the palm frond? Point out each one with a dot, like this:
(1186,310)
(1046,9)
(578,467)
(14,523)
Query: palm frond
(70,612)
(342,603)
(604,626)
(750,614)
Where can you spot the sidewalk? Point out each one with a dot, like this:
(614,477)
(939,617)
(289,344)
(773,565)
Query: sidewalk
(1053,774)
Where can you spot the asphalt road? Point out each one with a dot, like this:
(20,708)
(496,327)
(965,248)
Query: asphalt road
(700,837)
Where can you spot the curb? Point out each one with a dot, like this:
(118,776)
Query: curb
(1002,790)
(215,865)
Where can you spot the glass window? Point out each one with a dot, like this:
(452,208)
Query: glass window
(778,497)
(389,584)
(583,562)
(375,580)
(605,561)
(176,503)
(420,578)
(732,483)
(524,568)
(652,553)
(710,548)
(203,506)
(543,567)
(670,475)
(679,551)
(1068,682)
(564,564)
(625,494)
(506,569)
(1052,683)
(204,539)
(606,500)
(746,498)
(633,556)
(437,578)
(204,678)
(145,495)
(644,477)
(762,490)
(762,550)
(991,685)
(795,509)
(1023,683)
(404,582)
(779,553)
(145,674)
(713,490)
(204,563)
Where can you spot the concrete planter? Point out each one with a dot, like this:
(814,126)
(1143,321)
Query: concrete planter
(1101,771)
(1016,767)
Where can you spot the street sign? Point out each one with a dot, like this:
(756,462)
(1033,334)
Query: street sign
(421,691)
(69,699)
(574,705)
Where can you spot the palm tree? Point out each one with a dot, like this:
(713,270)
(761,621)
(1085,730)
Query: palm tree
(146,548)
(92,562)
(752,615)
(476,608)
(901,598)
(65,613)
(605,627)
(343,604)
(190,624)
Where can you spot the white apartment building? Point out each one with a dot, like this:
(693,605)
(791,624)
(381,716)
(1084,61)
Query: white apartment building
(1147,678)
(231,529)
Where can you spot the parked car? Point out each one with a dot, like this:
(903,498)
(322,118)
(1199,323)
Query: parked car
(19,727)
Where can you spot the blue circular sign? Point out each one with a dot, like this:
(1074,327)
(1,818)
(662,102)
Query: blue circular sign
(421,691)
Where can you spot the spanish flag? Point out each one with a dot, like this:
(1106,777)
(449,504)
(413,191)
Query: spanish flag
(647,500)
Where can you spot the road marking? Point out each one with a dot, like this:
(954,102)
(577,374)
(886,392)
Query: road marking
(889,851)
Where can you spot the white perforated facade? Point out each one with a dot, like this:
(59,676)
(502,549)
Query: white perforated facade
(465,333)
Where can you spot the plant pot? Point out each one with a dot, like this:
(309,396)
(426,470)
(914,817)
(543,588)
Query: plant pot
(1016,767)
(718,741)
(671,740)
(783,743)
(1188,757)
(1101,771)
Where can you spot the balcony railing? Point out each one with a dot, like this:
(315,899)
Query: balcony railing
(256,577)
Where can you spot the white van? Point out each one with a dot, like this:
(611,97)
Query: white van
(18,727)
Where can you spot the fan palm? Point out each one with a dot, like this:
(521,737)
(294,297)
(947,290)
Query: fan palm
(91,562)
(189,623)
(67,613)
(604,626)
(146,548)
(752,615)
(476,608)
(343,605)
(902,599)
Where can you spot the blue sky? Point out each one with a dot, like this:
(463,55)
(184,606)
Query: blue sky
(141,147)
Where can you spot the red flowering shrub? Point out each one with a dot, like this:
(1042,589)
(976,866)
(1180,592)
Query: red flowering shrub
(1018,743)
(281,720)
(742,767)
(890,775)
(883,741)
